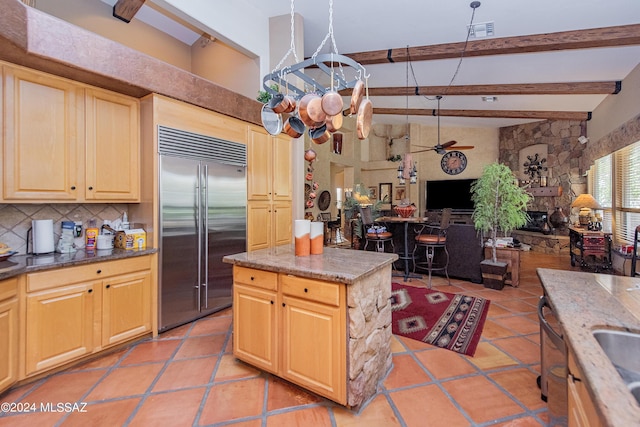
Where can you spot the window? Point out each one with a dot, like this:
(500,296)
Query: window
(615,183)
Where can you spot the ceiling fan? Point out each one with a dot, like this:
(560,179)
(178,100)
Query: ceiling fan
(442,148)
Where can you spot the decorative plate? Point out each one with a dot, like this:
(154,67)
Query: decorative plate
(6,255)
(324,200)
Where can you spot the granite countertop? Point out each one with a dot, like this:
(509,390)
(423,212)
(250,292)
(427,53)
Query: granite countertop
(19,264)
(584,302)
(334,265)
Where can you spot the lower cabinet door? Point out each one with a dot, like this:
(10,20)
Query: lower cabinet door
(313,354)
(255,338)
(126,307)
(59,326)
(8,343)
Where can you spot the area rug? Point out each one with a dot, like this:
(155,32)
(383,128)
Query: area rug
(446,320)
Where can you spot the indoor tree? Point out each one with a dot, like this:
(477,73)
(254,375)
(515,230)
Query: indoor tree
(499,203)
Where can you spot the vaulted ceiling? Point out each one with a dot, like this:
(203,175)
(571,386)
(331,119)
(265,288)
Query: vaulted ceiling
(546,60)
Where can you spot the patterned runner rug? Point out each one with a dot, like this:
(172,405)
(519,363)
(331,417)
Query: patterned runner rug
(450,321)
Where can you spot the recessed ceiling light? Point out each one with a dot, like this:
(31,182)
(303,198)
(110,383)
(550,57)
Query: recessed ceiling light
(490,98)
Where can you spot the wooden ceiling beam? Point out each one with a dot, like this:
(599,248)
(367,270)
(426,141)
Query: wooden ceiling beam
(623,35)
(575,88)
(127,9)
(511,114)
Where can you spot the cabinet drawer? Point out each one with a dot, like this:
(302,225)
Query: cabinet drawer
(99,270)
(8,288)
(252,277)
(312,290)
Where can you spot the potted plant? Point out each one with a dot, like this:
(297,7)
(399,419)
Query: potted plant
(500,205)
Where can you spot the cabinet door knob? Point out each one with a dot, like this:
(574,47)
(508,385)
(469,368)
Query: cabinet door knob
(306,290)
(73,187)
(89,290)
(252,278)
(283,304)
(99,271)
(271,302)
(90,188)
(108,286)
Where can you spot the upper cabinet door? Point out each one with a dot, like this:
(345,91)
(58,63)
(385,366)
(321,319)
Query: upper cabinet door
(41,152)
(259,158)
(282,175)
(112,146)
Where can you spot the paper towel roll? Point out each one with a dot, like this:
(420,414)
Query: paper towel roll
(301,230)
(317,237)
(42,236)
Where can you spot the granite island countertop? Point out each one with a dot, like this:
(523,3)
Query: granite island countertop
(19,264)
(333,265)
(584,302)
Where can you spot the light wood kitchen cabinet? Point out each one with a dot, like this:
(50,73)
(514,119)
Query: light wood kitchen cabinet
(293,327)
(59,326)
(126,307)
(582,412)
(112,130)
(269,185)
(67,142)
(8,333)
(42,130)
(76,311)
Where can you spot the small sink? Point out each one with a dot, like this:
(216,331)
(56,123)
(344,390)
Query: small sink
(623,348)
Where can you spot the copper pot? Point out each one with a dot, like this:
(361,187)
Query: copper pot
(319,135)
(356,96)
(293,127)
(363,121)
(278,103)
(304,110)
(334,122)
(332,103)
(292,104)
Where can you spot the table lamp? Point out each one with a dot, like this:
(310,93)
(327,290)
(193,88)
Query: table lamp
(585,202)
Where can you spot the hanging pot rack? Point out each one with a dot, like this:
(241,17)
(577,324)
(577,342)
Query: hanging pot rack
(279,77)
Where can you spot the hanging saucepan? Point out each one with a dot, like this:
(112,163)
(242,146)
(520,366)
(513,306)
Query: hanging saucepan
(303,110)
(356,96)
(292,104)
(332,103)
(315,112)
(363,121)
(272,122)
(278,103)
(293,127)
(319,135)
(334,122)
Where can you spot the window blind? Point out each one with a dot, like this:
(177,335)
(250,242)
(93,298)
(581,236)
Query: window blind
(627,184)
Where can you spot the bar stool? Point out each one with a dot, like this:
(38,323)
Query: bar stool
(377,236)
(432,238)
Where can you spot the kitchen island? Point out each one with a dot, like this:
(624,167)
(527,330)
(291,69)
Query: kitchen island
(584,302)
(322,322)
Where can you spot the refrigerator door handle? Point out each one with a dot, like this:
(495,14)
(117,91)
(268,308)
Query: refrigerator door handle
(199,230)
(205,183)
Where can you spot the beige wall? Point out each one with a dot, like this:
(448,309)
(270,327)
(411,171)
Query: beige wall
(616,110)
(96,16)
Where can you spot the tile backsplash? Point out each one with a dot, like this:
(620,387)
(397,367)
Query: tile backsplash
(15,220)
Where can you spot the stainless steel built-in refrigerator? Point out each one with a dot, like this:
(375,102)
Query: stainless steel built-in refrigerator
(203,200)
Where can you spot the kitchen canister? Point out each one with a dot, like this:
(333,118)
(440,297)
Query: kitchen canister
(302,231)
(317,237)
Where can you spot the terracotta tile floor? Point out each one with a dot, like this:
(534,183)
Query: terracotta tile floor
(188,377)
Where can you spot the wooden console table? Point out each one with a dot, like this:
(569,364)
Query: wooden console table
(590,249)
(512,257)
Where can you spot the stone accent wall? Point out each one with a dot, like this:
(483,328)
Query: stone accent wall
(369,345)
(563,159)
(548,244)
(625,135)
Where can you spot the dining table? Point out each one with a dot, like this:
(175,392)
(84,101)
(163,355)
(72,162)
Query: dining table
(405,256)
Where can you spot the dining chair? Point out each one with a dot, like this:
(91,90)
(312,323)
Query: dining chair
(374,231)
(433,238)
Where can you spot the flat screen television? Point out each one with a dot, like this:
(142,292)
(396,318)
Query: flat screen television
(449,193)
